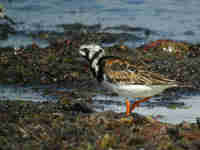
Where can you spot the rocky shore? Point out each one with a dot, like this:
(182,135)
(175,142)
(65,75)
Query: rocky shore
(62,125)
(70,122)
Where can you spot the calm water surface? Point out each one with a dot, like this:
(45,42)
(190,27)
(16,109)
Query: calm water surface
(26,93)
(173,19)
(184,109)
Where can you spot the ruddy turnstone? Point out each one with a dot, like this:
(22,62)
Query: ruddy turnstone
(123,77)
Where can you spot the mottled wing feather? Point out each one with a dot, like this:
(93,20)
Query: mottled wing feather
(123,72)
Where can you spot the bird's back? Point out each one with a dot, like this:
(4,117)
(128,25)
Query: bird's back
(121,71)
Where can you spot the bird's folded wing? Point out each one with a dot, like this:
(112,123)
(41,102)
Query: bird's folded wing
(123,72)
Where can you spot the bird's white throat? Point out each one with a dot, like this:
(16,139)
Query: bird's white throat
(95,61)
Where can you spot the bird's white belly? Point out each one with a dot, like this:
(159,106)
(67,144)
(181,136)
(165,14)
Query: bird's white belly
(136,90)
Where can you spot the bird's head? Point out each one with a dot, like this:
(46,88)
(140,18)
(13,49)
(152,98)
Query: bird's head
(91,51)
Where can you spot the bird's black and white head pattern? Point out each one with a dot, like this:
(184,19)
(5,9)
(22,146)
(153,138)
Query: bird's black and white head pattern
(90,50)
(93,53)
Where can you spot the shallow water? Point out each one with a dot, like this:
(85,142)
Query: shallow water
(26,93)
(184,109)
(176,110)
(173,19)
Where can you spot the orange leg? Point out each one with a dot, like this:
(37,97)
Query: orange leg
(127,107)
(136,103)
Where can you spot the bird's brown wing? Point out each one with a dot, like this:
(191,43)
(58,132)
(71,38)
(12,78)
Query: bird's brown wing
(123,72)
